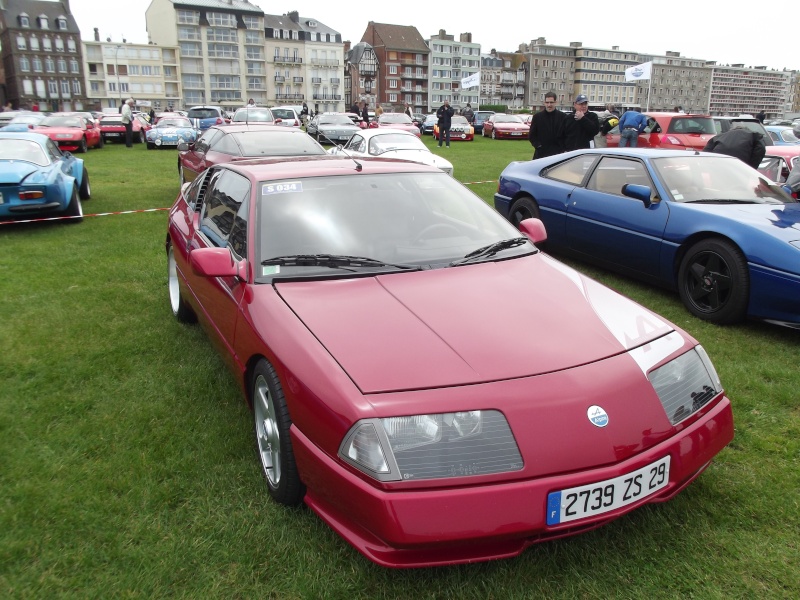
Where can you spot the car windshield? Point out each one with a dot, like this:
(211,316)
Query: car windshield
(61,122)
(260,115)
(709,178)
(395,118)
(335,120)
(25,150)
(173,122)
(386,143)
(692,125)
(111,120)
(26,119)
(506,119)
(203,113)
(408,218)
(279,141)
(459,120)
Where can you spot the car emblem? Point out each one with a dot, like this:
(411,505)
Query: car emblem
(597,416)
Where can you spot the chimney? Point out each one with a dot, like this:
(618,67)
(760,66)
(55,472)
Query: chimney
(294,16)
(96,34)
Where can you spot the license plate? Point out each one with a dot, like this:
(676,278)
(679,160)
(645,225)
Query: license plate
(113,134)
(515,133)
(604,496)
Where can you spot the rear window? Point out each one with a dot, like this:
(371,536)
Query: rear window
(692,125)
(203,113)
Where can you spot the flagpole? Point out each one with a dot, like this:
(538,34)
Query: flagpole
(649,86)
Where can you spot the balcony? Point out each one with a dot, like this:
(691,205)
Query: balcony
(280,78)
(297,80)
(289,96)
(316,80)
(290,60)
(335,81)
(327,97)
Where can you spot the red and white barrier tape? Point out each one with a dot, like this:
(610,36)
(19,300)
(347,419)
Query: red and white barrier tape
(121,212)
(478,182)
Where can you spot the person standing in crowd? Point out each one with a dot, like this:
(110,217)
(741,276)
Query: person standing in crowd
(250,103)
(152,116)
(445,116)
(761,116)
(739,142)
(631,124)
(468,113)
(378,111)
(355,108)
(127,120)
(8,107)
(608,120)
(409,111)
(304,116)
(547,129)
(581,127)
(365,113)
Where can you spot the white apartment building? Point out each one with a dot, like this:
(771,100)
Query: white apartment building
(451,61)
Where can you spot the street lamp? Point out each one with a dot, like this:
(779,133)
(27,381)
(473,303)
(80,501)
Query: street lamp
(117,48)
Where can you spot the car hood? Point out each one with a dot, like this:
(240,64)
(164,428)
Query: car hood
(775,220)
(51,131)
(420,156)
(511,126)
(469,324)
(14,172)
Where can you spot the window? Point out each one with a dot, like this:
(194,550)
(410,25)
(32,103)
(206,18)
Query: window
(226,193)
(52,88)
(37,64)
(188,17)
(76,87)
(65,89)
(221,35)
(27,87)
(47,45)
(614,173)
(21,44)
(572,171)
(62,65)
(61,23)
(216,19)
(43,22)
(252,22)
(24,21)
(59,44)
(34,43)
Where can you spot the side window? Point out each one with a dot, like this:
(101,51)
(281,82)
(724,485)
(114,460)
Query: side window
(238,238)
(572,171)
(221,204)
(192,191)
(613,173)
(652,126)
(227,145)
(354,143)
(205,140)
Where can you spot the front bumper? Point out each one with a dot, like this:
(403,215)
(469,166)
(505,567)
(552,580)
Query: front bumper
(442,526)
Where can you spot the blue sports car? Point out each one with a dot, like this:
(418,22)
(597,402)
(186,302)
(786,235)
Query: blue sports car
(168,132)
(39,180)
(707,225)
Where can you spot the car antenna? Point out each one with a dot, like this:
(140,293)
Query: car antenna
(359,166)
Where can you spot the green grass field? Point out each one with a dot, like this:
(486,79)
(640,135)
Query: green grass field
(127,467)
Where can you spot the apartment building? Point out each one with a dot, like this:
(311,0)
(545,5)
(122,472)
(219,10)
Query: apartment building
(503,76)
(404,58)
(677,81)
(41,55)
(550,68)
(148,73)
(451,61)
(736,89)
(600,76)
(361,79)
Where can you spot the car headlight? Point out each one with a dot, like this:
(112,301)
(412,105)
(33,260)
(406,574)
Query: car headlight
(686,384)
(432,446)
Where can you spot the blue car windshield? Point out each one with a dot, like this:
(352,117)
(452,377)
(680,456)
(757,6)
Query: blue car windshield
(714,178)
(25,150)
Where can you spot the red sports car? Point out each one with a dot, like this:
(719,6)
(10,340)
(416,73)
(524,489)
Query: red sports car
(71,132)
(362,306)
(398,121)
(113,129)
(671,131)
(501,126)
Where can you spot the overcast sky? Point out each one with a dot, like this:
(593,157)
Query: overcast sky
(727,34)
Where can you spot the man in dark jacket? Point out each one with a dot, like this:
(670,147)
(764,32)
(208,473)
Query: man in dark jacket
(581,127)
(445,116)
(547,129)
(748,146)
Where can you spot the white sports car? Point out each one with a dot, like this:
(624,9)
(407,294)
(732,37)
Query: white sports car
(392,143)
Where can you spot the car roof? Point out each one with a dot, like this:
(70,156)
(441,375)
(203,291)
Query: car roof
(24,135)
(368,133)
(322,166)
(268,128)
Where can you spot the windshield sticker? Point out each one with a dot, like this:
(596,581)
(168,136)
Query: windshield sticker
(281,188)
(270,270)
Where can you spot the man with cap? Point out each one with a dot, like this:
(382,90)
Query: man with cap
(127,120)
(581,127)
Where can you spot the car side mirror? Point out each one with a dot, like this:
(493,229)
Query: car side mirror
(216,262)
(534,230)
(638,192)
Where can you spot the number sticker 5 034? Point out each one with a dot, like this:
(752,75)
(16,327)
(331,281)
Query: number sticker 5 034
(604,496)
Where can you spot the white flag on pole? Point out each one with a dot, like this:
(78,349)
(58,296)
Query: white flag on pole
(471,81)
(641,71)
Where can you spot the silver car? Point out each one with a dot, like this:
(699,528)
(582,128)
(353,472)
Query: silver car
(332,128)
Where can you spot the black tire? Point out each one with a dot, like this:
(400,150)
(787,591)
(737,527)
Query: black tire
(180,309)
(714,282)
(273,444)
(85,191)
(101,143)
(74,208)
(151,146)
(82,147)
(523,208)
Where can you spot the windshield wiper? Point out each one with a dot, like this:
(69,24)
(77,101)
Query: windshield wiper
(490,250)
(333,261)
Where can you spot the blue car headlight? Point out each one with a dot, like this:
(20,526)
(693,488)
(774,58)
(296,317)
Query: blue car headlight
(432,446)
